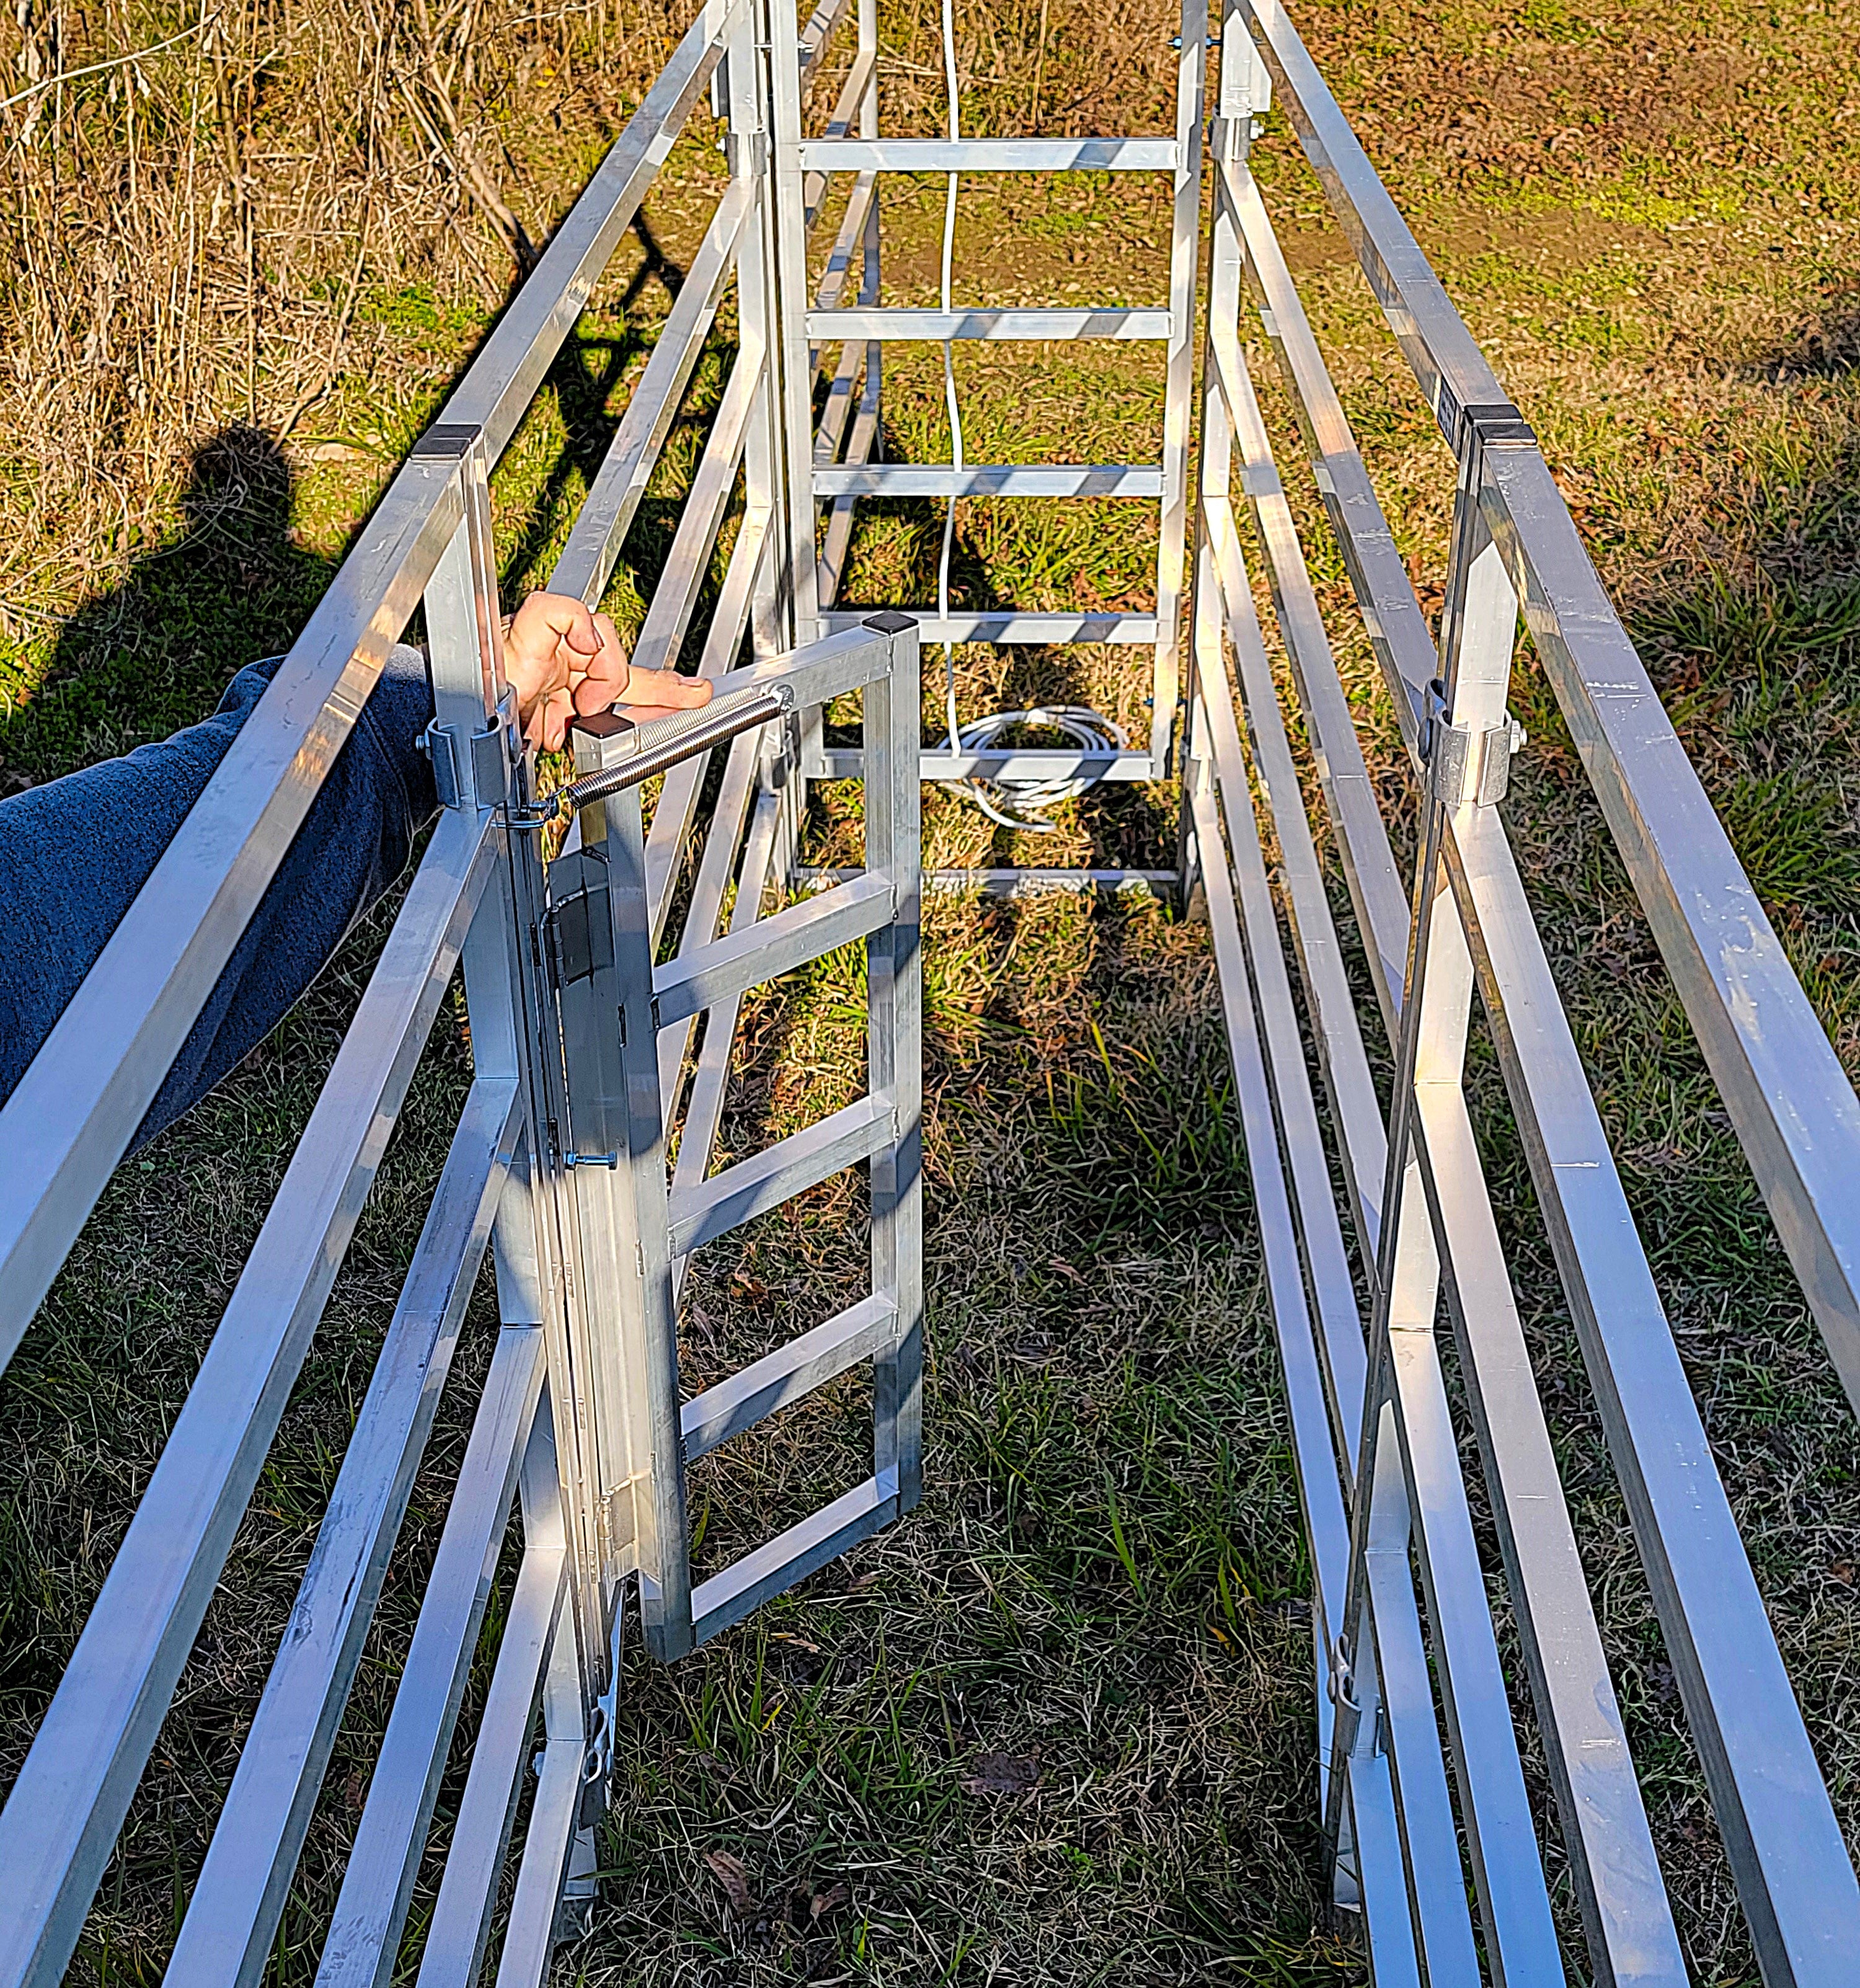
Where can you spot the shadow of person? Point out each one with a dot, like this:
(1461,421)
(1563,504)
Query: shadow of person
(154,653)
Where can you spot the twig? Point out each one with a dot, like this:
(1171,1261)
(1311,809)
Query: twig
(110,62)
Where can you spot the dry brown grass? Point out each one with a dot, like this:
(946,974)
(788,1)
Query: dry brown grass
(187,233)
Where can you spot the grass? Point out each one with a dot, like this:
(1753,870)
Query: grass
(1058,1727)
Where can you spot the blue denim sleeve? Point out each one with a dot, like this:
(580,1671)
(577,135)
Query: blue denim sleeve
(74,853)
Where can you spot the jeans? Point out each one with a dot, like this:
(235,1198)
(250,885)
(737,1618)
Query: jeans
(74,853)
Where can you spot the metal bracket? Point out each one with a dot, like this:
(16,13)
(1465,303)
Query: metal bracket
(1340,1686)
(1229,137)
(1469,766)
(1463,765)
(472,769)
(746,153)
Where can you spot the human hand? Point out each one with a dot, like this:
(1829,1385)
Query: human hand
(561,660)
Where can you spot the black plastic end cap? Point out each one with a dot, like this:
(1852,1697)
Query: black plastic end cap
(601,724)
(888,621)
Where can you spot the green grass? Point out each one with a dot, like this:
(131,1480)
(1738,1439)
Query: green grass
(1058,1726)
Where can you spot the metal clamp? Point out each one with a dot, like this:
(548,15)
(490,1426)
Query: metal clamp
(1340,1686)
(746,153)
(472,769)
(1463,765)
(1229,137)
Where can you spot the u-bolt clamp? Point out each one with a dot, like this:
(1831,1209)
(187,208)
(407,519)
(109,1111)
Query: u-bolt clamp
(661,744)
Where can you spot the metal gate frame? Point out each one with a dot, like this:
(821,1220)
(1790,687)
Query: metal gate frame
(583,1012)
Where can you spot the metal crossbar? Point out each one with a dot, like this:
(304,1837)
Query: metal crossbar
(589,974)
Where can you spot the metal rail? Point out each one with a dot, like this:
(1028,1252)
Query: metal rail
(588,977)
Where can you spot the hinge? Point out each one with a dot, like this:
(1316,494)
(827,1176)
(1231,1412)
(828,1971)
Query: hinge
(1228,138)
(581,934)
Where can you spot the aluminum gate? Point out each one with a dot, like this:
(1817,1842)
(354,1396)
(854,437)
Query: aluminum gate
(588,976)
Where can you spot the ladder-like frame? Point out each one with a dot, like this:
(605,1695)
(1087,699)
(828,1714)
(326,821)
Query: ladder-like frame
(800,167)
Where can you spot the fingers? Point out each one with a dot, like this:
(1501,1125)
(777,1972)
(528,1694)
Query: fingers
(664,690)
(546,618)
(562,661)
(602,681)
(547,724)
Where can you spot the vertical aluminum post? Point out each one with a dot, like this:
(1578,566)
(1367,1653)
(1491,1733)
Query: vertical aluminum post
(1185,255)
(628,1175)
(506,999)
(895,1003)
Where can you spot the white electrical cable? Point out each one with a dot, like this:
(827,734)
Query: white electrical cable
(956,413)
(1013,803)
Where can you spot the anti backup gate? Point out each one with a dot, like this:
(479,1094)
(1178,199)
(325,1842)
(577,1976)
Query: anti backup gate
(587,977)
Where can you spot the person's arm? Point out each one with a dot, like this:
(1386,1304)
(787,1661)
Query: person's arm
(74,853)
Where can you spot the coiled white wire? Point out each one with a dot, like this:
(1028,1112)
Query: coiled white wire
(1013,803)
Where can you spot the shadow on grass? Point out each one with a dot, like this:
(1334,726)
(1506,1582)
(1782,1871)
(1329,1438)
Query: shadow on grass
(232,582)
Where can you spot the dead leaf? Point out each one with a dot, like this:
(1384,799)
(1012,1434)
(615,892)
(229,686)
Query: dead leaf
(735,1878)
(824,1902)
(1004,1774)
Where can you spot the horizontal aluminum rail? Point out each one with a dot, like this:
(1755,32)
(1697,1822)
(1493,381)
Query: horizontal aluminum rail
(990,155)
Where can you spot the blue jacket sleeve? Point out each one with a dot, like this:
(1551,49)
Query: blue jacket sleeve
(74,853)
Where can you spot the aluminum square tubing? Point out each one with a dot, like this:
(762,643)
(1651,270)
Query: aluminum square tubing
(1796,1113)
(787,211)
(673,811)
(539,1612)
(1794,1875)
(1178,386)
(936,326)
(232,1917)
(503,379)
(754,1186)
(1010,627)
(67,1805)
(836,154)
(1436,1880)
(1787,1094)
(630,1184)
(364,1935)
(704,1110)
(1327,1529)
(1629,1920)
(898,479)
(606,512)
(727,967)
(1453,372)
(847,660)
(741,1587)
(779,1378)
(893,843)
